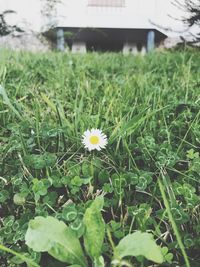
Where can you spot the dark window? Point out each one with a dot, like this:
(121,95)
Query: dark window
(106,3)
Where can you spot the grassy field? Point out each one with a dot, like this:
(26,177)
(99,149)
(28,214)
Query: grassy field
(134,203)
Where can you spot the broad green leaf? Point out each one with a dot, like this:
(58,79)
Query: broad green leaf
(139,244)
(94,228)
(49,234)
(99,262)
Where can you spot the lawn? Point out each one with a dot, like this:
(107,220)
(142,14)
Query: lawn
(133,203)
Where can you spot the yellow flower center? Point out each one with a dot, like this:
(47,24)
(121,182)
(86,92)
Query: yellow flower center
(94,140)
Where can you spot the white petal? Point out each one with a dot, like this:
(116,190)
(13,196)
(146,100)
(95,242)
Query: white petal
(94,132)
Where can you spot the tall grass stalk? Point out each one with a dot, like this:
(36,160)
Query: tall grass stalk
(172,221)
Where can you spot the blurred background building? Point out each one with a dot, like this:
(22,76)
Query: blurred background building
(130,26)
(108,25)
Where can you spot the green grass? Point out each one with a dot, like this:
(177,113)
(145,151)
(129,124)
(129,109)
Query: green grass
(149,107)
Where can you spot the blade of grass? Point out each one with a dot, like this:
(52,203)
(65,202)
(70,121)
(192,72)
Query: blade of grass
(172,221)
(128,127)
(22,257)
(8,102)
(190,127)
(54,108)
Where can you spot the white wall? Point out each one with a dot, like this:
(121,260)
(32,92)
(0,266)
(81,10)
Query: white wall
(76,13)
(28,14)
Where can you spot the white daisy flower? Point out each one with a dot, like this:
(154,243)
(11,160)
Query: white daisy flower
(94,139)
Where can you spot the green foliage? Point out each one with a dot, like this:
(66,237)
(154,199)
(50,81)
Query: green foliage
(139,244)
(149,109)
(40,187)
(19,199)
(40,161)
(48,234)
(53,236)
(19,257)
(94,228)
(167,256)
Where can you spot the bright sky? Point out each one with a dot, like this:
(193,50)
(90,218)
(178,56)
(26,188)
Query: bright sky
(29,12)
